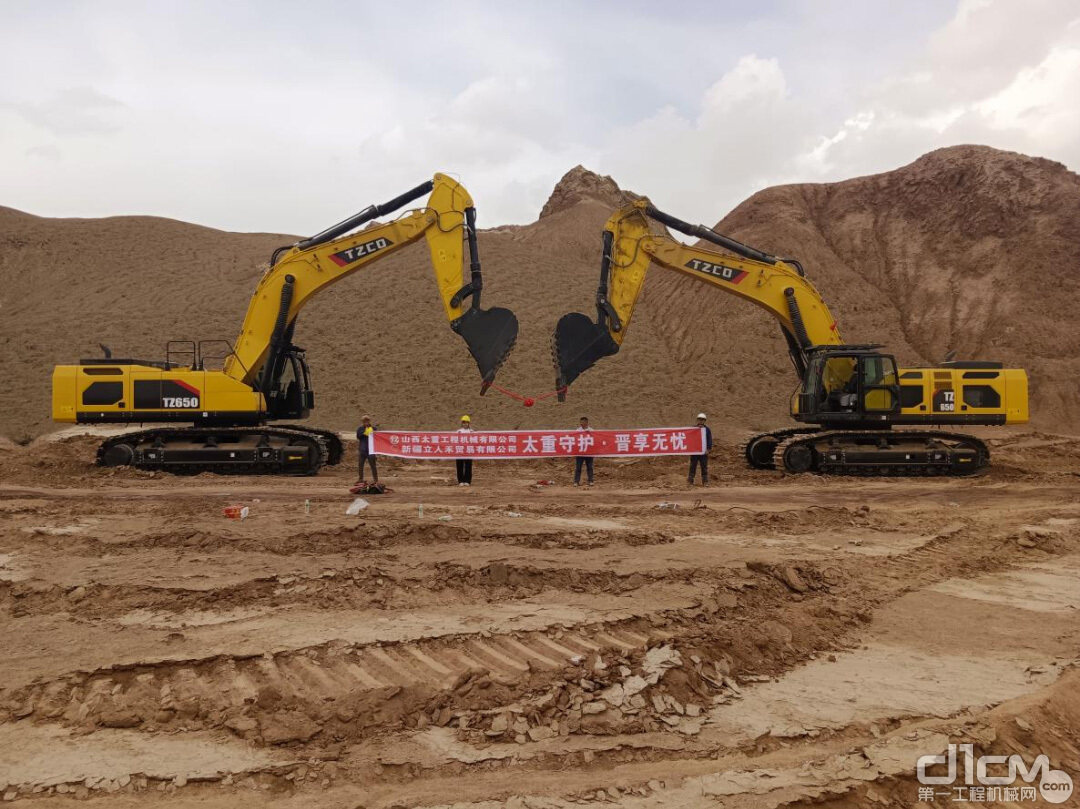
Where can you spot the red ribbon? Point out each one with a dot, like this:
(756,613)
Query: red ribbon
(528,401)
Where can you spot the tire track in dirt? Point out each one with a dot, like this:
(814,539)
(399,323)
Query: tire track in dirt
(372,685)
(339,587)
(197,692)
(499,701)
(963,552)
(878,747)
(360,537)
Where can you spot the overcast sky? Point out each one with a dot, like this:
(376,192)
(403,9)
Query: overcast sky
(288,116)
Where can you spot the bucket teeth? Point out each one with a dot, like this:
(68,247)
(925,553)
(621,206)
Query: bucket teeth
(576,345)
(490,335)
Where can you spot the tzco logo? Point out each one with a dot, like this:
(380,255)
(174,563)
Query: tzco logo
(717,270)
(180,401)
(1054,786)
(361,250)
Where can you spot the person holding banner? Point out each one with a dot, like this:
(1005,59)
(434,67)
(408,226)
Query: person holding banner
(582,443)
(464,465)
(364,435)
(703,458)
(583,460)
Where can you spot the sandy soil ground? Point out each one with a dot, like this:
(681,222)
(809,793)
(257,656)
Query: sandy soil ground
(769,641)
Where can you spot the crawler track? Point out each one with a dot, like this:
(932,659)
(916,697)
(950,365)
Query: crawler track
(868,453)
(759,447)
(245,450)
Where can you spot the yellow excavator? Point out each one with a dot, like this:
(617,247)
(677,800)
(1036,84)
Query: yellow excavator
(850,396)
(224,413)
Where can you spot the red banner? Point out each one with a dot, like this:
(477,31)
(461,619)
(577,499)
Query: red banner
(496,444)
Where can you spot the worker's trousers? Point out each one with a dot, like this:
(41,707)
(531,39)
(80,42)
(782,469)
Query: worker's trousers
(464,470)
(703,460)
(587,462)
(369,459)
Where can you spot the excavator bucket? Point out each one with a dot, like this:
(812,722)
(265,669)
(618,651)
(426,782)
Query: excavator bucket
(490,335)
(577,344)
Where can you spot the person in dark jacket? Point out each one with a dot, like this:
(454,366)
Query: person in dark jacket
(364,436)
(703,459)
(583,460)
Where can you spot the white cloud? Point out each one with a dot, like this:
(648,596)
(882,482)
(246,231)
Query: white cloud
(752,83)
(746,133)
(73,111)
(237,116)
(1034,99)
(997,73)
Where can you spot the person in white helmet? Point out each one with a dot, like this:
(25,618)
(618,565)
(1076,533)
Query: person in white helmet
(703,459)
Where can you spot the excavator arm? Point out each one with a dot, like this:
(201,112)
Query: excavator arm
(299,271)
(630,246)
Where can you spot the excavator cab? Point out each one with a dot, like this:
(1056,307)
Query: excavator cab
(290,396)
(848,386)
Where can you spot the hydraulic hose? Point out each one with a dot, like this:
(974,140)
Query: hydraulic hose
(366,215)
(709,235)
(797,319)
(277,253)
(602,304)
(796,352)
(796,264)
(278,334)
(476,278)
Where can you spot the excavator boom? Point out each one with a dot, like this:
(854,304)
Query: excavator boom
(630,245)
(299,271)
(851,395)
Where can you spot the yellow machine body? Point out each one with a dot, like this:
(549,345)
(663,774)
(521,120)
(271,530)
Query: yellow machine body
(978,395)
(142,393)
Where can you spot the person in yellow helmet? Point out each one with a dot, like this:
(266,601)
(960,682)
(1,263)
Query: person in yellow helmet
(464,465)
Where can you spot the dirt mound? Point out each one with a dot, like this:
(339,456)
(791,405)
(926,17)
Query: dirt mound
(968,249)
(581,185)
